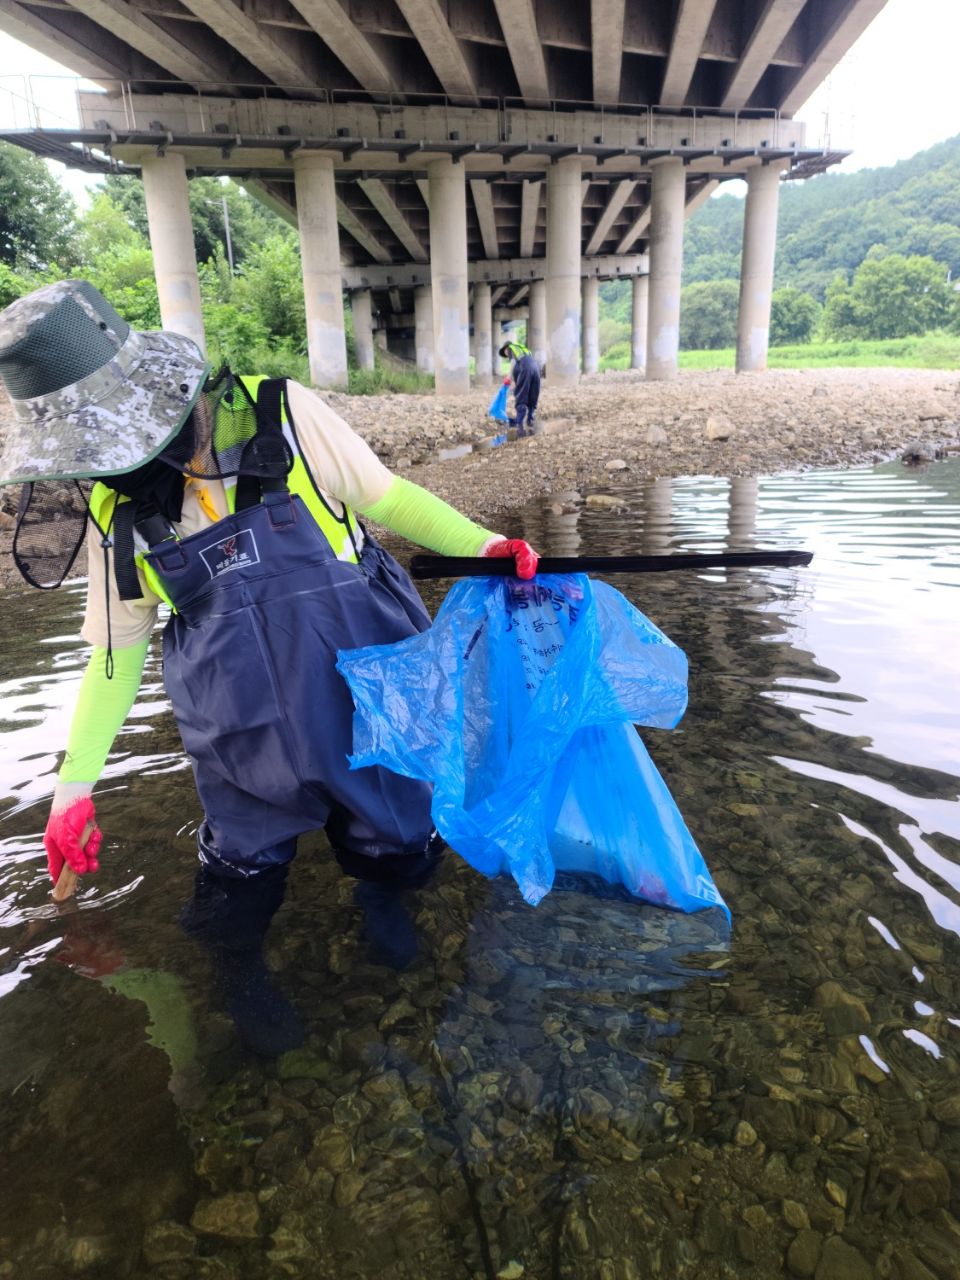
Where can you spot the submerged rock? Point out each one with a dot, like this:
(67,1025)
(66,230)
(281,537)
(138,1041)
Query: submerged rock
(234,1216)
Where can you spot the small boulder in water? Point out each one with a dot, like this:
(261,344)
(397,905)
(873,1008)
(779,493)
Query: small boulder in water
(919,451)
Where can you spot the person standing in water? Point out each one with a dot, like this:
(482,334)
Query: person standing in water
(234,500)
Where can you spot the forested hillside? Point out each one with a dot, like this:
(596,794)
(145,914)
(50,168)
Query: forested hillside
(830,222)
(878,247)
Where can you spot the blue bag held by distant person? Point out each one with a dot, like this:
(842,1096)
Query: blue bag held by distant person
(519,705)
(498,405)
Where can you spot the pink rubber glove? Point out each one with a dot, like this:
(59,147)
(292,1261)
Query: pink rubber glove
(71,813)
(523,554)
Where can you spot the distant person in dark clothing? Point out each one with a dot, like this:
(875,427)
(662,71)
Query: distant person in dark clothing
(525,374)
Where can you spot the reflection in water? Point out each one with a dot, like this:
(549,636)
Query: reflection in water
(742,519)
(657,506)
(589,1089)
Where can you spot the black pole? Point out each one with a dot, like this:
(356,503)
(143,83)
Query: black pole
(422,567)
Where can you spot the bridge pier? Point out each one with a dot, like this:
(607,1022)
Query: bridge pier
(361,306)
(756,267)
(667,199)
(564,198)
(638,326)
(167,200)
(320,256)
(448,274)
(591,324)
(482,332)
(423,327)
(537,323)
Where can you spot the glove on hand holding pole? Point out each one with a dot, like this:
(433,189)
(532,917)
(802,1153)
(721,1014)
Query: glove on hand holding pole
(523,554)
(71,813)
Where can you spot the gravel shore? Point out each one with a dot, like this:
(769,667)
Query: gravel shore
(616,428)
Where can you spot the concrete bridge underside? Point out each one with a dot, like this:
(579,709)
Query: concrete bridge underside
(451,163)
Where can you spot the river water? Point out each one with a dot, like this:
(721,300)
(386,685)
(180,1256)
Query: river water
(589,1089)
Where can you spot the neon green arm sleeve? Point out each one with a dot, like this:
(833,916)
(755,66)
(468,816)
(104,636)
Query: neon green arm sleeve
(102,706)
(424,518)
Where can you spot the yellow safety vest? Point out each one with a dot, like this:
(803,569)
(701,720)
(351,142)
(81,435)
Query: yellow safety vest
(336,530)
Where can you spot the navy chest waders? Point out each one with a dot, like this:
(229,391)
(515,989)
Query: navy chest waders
(526,382)
(263,605)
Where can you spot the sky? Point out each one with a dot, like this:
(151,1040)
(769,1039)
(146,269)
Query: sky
(892,95)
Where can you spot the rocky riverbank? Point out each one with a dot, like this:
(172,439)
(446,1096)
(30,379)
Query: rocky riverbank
(615,427)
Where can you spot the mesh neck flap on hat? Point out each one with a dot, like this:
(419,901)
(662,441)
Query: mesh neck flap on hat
(231,434)
(51,523)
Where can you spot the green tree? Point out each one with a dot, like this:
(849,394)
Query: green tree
(611,332)
(115,256)
(106,228)
(708,315)
(891,296)
(830,222)
(37,217)
(250,222)
(12,286)
(272,287)
(794,316)
(841,318)
(233,335)
(616,300)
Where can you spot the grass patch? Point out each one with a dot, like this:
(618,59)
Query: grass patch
(929,351)
(374,382)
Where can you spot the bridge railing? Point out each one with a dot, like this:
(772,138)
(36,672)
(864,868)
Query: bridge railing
(32,101)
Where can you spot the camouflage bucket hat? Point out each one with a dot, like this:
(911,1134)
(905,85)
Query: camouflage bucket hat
(90,396)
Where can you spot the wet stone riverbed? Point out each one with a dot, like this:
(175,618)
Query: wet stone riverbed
(591,1089)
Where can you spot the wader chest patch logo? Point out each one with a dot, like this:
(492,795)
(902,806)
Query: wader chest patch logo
(236,552)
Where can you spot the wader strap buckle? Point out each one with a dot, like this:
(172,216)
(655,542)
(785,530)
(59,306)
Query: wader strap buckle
(154,528)
(281,510)
(169,559)
(151,526)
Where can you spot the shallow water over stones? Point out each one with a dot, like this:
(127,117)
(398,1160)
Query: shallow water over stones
(589,1089)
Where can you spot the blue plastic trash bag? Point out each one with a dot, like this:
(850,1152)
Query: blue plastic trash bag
(518,704)
(498,405)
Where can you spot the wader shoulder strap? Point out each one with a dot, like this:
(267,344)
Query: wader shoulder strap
(124,565)
(266,458)
(151,526)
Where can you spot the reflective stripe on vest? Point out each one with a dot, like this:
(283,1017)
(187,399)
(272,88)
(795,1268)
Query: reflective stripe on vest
(336,531)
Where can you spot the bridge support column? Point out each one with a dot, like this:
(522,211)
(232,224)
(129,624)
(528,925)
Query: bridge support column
(591,324)
(668,190)
(756,267)
(537,321)
(638,329)
(482,332)
(320,256)
(563,271)
(448,269)
(361,306)
(171,239)
(423,327)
